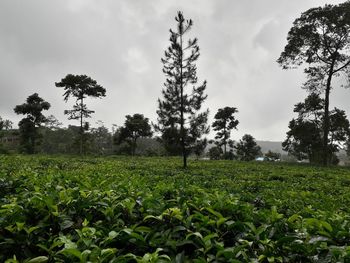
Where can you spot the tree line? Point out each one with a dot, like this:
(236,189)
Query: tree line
(319,38)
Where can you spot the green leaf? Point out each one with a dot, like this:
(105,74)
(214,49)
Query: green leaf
(251,226)
(72,252)
(31,229)
(294,218)
(197,234)
(112,234)
(215,213)
(39,259)
(210,236)
(180,258)
(144,229)
(326,225)
(149,217)
(108,252)
(66,224)
(137,236)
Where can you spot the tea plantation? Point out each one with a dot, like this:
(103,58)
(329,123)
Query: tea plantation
(64,209)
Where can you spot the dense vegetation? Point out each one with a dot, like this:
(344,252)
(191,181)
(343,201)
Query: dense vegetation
(61,209)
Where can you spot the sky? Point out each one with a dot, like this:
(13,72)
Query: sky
(120,43)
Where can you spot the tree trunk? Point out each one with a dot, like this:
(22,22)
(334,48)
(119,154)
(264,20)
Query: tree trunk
(134,147)
(33,145)
(81,127)
(326,115)
(225,139)
(182,130)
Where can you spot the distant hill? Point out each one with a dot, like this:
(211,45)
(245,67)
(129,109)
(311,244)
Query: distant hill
(265,146)
(272,146)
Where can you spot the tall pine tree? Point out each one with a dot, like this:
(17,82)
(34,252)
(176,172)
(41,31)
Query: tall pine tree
(179,120)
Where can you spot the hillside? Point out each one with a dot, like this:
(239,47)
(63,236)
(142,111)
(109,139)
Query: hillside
(271,145)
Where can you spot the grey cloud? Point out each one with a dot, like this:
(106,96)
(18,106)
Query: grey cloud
(120,43)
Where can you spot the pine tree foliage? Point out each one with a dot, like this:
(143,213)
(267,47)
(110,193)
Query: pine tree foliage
(224,122)
(80,87)
(179,120)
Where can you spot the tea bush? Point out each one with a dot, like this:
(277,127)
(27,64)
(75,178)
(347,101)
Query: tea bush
(64,209)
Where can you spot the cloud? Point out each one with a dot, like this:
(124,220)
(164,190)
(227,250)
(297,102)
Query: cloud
(120,44)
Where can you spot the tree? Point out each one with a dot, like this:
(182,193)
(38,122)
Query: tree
(223,124)
(320,38)
(28,126)
(199,147)
(305,135)
(247,148)
(52,123)
(102,139)
(5,124)
(215,153)
(80,87)
(272,156)
(135,127)
(2,124)
(179,120)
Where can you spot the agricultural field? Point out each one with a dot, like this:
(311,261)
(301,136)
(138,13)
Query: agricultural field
(122,209)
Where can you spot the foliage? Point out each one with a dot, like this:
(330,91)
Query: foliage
(304,139)
(28,126)
(223,124)
(52,123)
(5,124)
(179,121)
(215,153)
(247,148)
(150,210)
(80,87)
(102,140)
(59,141)
(1,124)
(320,38)
(135,127)
(2,150)
(199,147)
(272,156)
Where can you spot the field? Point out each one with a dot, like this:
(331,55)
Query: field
(64,209)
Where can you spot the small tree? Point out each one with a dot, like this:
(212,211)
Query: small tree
(102,139)
(200,147)
(320,38)
(179,120)
(28,126)
(80,87)
(215,153)
(2,122)
(135,127)
(223,124)
(247,148)
(5,124)
(272,156)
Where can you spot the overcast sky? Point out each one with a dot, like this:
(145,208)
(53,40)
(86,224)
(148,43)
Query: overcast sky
(120,44)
